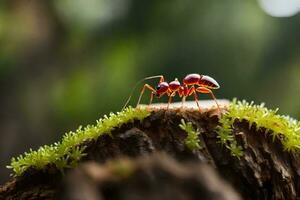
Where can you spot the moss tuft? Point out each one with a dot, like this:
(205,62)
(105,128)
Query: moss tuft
(68,152)
(282,127)
(192,140)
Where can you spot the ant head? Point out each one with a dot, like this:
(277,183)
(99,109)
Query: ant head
(161,89)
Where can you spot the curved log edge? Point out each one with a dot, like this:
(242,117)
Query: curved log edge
(265,171)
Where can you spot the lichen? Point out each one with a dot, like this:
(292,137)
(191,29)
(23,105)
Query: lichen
(192,140)
(282,127)
(69,151)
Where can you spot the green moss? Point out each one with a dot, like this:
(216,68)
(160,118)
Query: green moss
(192,140)
(282,127)
(225,134)
(68,152)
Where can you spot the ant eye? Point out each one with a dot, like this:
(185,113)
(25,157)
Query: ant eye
(157,87)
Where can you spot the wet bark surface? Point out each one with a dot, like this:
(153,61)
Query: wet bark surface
(265,171)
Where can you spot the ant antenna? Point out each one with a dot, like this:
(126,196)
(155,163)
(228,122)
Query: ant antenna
(137,83)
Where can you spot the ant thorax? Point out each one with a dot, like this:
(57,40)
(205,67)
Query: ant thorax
(174,85)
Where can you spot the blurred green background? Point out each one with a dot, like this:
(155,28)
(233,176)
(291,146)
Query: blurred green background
(65,63)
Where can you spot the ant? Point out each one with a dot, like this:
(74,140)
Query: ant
(198,83)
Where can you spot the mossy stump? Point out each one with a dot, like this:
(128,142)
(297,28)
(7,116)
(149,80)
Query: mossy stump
(264,171)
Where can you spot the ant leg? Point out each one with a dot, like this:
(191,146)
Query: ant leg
(208,91)
(170,99)
(197,100)
(151,98)
(142,92)
(213,96)
(183,101)
(181,95)
(193,91)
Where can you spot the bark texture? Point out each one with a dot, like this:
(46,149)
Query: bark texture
(265,171)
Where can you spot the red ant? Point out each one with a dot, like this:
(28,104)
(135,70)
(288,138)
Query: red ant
(197,83)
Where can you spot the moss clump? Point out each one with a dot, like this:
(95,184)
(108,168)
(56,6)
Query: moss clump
(192,140)
(282,127)
(68,152)
(225,134)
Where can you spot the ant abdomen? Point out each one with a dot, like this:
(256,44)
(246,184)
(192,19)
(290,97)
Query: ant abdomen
(208,82)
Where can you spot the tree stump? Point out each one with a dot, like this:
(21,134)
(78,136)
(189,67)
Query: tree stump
(265,171)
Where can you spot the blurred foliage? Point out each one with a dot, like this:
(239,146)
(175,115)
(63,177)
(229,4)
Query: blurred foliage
(68,62)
